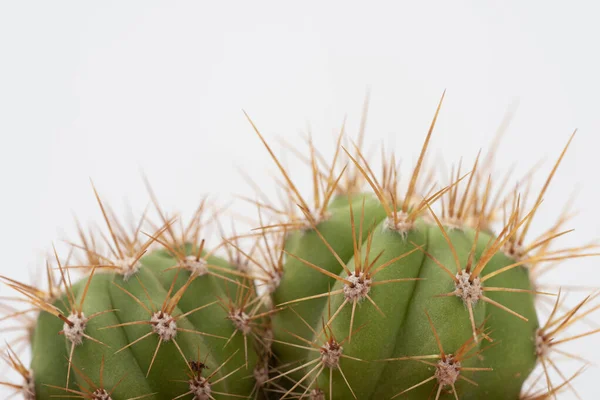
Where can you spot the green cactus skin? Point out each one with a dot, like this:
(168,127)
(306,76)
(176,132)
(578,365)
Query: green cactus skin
(299,281)
(52,362)
(513,361)
(168,376)
(404,330)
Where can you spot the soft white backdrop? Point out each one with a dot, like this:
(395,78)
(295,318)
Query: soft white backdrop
(103,90)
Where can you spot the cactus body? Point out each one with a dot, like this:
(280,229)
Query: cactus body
(399,328)
(124,305)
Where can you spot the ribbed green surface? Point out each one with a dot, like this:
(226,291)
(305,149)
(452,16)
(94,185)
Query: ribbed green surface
(405,330)
(128,368)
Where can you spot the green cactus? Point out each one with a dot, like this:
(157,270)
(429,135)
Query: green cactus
(367,293)
(141,323)
(369,275)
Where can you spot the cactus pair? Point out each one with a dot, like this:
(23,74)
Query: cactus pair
(368,293)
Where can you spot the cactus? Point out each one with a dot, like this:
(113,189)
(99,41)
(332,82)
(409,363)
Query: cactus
(156,324)
(368,292)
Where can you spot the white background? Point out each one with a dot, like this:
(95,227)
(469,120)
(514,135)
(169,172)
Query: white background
(103,90)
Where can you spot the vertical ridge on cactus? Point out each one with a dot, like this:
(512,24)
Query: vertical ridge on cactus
(367,288)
